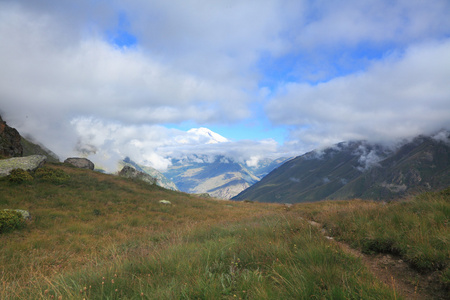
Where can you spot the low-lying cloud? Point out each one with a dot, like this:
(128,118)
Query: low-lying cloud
(152,145)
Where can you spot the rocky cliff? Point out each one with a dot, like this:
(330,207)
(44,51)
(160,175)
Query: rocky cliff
(10,145)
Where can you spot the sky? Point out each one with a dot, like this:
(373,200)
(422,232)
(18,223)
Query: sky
(108,79)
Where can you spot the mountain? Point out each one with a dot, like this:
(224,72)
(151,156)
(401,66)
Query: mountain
(358,170)
(162,180)
(266,165)
(210,136)
(220,176)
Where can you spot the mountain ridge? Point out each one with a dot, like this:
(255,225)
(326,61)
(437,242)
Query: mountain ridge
(357,169)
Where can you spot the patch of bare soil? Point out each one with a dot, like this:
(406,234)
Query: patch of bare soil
(396,273)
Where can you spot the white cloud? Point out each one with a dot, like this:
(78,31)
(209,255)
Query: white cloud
(401,96)
(106,143)
(204,61)
(47,79)
(340,23)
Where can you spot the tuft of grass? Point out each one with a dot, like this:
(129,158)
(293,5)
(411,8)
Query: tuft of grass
(57,176)
(10,220)
(18,176)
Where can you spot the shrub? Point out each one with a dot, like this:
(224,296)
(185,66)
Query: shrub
(51,175)
(20,176)
(10,220)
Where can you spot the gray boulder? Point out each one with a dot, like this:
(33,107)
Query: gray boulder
(82,163)
(130,172)
(28,163)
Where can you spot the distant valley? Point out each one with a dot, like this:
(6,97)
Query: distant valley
(219,176)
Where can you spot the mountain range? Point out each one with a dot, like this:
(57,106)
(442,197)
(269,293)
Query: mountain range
(358,169)
(220,176)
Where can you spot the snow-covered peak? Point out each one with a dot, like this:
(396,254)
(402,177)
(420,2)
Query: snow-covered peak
(211,137)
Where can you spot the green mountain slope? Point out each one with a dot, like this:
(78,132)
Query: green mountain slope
(356,170)
(30,148)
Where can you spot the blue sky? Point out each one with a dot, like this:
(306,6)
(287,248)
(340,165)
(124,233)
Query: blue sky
(275,77)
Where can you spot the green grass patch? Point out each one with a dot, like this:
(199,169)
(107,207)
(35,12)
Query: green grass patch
(417,229)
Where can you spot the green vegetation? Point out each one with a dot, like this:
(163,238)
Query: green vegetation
(10,220)
(417,230)
(57,176)
(19,176)
(98,236)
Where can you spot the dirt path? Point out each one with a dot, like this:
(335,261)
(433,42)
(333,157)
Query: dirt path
(396,273)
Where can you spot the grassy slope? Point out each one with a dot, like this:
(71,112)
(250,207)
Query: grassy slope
(417,229)
(97,236)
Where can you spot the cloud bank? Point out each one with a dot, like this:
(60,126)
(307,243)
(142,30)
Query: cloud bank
(403,95)
(119,77)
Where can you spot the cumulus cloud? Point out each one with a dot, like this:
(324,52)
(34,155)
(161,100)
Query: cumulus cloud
(403,95)
(48,80)
(64,80)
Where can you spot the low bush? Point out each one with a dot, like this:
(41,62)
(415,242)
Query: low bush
(19,176)
(10,220)
(51,175)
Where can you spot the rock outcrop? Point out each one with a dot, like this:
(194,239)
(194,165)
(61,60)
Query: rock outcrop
(28,163)
(82,163)
(10,145)
(130,172)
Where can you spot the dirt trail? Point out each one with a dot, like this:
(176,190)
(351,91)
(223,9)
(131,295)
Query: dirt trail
(396,273)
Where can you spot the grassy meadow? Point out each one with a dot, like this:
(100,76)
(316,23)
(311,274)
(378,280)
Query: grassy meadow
(98,236)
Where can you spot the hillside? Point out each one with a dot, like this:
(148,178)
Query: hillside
(30,148)
(357,170)
(99,236)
